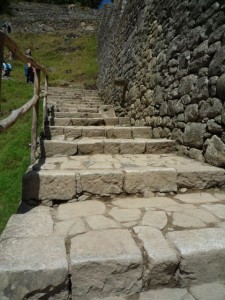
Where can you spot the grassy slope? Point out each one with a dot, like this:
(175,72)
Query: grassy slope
(70,62)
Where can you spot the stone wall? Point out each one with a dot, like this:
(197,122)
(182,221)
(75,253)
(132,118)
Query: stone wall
(172,54)
(41,18)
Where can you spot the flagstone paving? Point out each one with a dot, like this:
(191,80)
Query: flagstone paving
(162,250)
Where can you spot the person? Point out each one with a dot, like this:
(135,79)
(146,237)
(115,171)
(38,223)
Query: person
(29,73)
(28,52)
(6,69)
(10,55)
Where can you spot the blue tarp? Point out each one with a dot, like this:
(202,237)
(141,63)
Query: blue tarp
(104,2)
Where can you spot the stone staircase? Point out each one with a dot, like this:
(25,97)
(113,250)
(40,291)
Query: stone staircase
(152,225)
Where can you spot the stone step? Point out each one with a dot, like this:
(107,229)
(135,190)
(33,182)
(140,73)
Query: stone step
(62,97)
(60,113)
(75,109)
(71,106)
(125,248)
(85,146)
(68,114)
(81,97)
(103,110)
(112,132)
(71,91)
(66,178)
(73,94)
(75,101)
(123,121)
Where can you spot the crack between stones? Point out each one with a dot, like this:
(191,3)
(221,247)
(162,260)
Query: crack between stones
(69,276)
(49,291)
(145,268)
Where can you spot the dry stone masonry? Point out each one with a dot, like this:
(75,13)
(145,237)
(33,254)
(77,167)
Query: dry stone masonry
(42,18)
(171,54)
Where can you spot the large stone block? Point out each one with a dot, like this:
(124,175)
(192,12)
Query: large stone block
(33,267)
(93,131)
(201,90)
(202,254)
(101,182)
(216,67)
(49,185)
(132,147)
(72,132)
(61,122)
(215,152)
(90,146)
(105,263)
(119,133)
(193,134)
(204,176)
(201,50)
(166,294)
(160,146)
(201,62)
(210,108)
(162,258)
(112,146)
(29,225)
(191,113)
(187,85)
(153,179)
(55,130)
(52,148)
(142,132)
(80,209)
(209,291)
(220,87)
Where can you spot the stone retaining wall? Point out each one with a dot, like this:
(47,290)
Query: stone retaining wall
(172,54)
(41,18)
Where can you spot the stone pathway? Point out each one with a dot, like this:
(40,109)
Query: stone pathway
(152,225)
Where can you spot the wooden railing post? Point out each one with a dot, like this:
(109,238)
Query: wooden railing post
(34,130)
(45,101)
(2,37)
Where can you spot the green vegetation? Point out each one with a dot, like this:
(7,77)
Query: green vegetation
(14,148)
(71,61)
(68,58)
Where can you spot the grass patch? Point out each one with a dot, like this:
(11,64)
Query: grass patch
(70,60)
(14,147)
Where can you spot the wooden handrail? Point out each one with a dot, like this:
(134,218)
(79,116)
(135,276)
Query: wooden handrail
(16,114)
(13,47)
(34,101)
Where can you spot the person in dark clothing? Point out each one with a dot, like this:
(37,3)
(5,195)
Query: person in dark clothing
(29,73)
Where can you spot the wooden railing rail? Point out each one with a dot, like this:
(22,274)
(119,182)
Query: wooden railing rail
(6,41)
